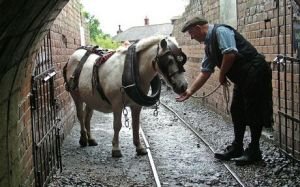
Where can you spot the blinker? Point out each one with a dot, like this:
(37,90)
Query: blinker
(181,58)
(177,53)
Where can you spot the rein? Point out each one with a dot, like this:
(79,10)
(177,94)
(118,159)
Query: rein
(225,94)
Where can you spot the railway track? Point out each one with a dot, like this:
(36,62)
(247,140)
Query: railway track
(236,177)
(201,138)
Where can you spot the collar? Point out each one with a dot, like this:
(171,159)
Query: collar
(209,34)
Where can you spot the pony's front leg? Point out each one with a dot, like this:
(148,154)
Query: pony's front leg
(135,114)
(87,120)
(116,151)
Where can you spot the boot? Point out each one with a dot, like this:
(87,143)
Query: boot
(231,151)
(250,156)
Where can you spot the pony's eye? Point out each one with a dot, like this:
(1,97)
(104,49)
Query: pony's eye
(170,62)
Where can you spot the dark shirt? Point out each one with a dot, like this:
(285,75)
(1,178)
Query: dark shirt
(226,42)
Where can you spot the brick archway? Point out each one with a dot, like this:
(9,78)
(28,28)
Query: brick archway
(23,25)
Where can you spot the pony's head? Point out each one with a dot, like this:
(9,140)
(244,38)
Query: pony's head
(170,60)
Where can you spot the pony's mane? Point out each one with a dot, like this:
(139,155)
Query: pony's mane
(148,42)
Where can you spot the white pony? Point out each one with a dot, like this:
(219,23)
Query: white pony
(123,80)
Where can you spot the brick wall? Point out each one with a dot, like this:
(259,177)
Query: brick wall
(65,38)
(257,21)
(195,51)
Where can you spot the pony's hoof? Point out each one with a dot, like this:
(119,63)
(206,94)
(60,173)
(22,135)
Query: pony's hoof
(92,142)
(116,154)
(141,151)
(82,143)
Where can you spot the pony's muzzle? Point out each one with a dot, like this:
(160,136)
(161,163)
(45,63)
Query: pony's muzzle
(180,89)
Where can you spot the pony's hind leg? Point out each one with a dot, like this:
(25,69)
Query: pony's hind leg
(80,115)
(116,151)
(135,114)
(87,120)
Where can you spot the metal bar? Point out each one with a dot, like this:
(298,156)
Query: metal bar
(43,95)
(53,120)
(50,49)
(45,126)
(285,109)
(292,108)
(154,170)
(54,142)
(289,117)
(59,163)
(39,129)
(43,74)
(46,135)
(44,121)
(49,124)
(299,98)
(33,120)
(278,73)
(51,153)
(288,58)
(285,77)
(44,65)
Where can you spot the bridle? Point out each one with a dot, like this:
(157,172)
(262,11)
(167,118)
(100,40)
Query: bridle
(176,53)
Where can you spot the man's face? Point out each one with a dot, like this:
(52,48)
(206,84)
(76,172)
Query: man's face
(197,33)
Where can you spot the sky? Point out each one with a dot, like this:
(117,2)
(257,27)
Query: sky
(130,13)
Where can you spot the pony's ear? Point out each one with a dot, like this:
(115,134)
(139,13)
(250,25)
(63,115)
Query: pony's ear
(163,44)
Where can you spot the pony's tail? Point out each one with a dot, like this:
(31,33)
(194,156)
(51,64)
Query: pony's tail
(67,87)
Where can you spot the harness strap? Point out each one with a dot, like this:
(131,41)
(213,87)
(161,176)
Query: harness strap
(73,83)
(74,80)
(95,80)
(131,81)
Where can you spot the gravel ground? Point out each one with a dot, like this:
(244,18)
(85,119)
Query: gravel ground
(94,166)
(181,159)
(275,170)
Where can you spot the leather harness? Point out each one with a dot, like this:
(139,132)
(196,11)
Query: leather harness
(131,81)
(72,84)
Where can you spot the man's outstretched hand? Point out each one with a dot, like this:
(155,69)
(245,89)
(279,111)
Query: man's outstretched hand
(184,96)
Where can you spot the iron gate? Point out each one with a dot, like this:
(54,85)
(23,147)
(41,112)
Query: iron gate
(287,81)
(288,84)
(45,130)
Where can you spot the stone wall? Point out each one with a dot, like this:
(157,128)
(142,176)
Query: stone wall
(267,25)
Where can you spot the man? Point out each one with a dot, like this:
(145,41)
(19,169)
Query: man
(240,62)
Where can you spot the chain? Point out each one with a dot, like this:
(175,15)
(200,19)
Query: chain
(125,111)
(155,112)
(125,114)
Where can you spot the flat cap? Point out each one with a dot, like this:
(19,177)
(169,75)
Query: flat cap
(193,22)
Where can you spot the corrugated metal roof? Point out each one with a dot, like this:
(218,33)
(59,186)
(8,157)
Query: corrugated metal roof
(139,32)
